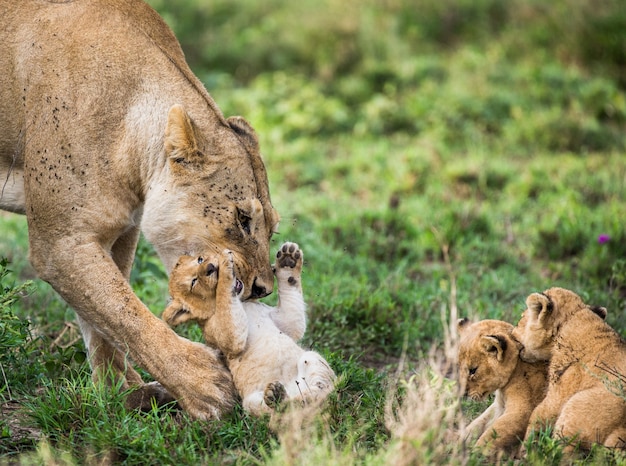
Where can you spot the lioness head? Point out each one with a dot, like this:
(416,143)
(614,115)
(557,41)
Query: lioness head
(213,195)
(545,313)
(488,356)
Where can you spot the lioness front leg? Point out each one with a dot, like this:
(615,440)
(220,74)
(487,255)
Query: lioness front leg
(191,372)
(108,364)
(290,314)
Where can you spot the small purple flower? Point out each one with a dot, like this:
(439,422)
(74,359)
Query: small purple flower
(604,238)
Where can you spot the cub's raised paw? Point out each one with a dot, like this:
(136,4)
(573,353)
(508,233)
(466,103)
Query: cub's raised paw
(227,272)
(288,267)
(289,255)
(274,394)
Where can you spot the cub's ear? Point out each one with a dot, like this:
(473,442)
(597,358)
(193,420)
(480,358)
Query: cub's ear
(176,313)
(181,142)
(600,311)
(495,345)
(245,132)
(462,324)
(539,305)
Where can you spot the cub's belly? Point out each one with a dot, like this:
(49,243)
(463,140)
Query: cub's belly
(267,358)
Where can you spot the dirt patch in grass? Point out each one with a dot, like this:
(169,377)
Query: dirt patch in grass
(20,435)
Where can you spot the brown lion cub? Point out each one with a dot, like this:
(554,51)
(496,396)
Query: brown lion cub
(259,341)
(489,362)
(587,368)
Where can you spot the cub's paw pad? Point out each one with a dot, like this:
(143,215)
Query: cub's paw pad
(289,255)
(274,394)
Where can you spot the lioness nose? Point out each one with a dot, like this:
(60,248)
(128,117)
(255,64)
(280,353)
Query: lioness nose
(258,290)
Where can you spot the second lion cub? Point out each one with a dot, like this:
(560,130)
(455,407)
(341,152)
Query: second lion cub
(258,341)
(585,398)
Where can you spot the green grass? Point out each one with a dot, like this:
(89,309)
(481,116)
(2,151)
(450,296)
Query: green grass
(455,154)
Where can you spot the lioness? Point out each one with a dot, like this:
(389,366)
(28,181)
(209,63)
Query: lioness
(587,367)
(105,132)
(259,341)
(489,362)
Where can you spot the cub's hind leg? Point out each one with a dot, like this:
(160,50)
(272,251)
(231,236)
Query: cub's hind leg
(274,394)
(592,416)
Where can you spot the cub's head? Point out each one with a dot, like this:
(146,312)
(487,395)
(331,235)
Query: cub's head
(545,313)
(212,194)
(488,356)
(193,289)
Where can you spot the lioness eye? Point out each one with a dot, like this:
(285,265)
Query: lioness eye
(473,370)
(193,283)
(244,220)
(200,260)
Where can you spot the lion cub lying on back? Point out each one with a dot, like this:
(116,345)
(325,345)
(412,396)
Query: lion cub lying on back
(489,362)
(587,367)
(259,341)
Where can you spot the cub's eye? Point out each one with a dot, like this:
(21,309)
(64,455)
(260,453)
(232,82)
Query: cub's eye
(244,221)
(193,283)
(473,370)
(200,260)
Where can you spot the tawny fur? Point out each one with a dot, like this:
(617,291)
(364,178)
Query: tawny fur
(259,341)
(586,373)
(489,363)
(105,131)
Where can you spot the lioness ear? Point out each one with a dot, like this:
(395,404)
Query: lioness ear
(181,145)
(176,313)
(248,137)
(247,134)
(540,305)
(495,345)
